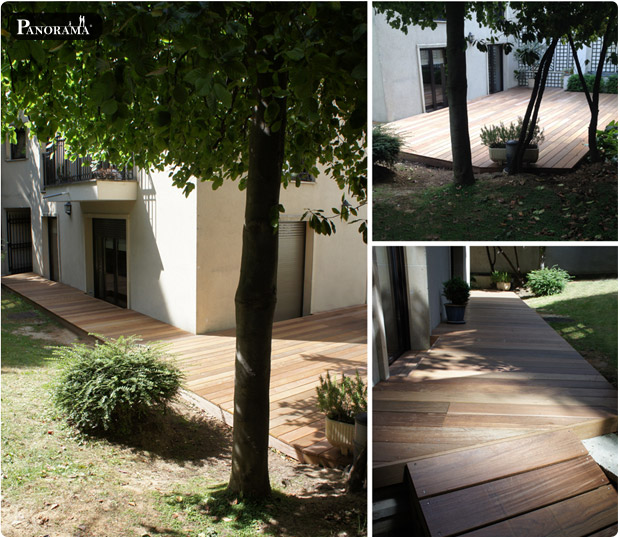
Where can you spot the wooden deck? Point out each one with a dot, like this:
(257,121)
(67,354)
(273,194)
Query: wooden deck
(504,374)
(541,485)
(302,349)
(564,116)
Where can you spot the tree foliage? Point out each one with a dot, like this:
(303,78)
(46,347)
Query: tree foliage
(171,85)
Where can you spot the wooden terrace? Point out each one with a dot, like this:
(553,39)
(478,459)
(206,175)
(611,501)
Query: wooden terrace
(302,349)
(506,391)
(564,117)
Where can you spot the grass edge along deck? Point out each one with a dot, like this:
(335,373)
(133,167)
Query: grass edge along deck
(302,348)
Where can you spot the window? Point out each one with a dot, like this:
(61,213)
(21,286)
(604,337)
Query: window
(304,177)
(18,151)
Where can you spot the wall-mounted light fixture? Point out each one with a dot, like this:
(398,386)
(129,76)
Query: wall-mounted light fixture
(68,208)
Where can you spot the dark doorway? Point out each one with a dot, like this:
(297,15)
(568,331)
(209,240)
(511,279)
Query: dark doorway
(434,78)
(397,332)
(19,240)
(110,260)
(52,239)
(496,68)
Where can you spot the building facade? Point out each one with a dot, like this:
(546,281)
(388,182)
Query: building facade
(135,240)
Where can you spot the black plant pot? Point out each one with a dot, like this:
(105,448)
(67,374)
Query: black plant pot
(455,313)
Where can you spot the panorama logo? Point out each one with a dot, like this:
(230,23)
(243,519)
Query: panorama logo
(58,26)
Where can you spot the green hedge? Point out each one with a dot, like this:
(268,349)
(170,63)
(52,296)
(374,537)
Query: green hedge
(608,85)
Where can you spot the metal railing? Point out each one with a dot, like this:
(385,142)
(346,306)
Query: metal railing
(58,169)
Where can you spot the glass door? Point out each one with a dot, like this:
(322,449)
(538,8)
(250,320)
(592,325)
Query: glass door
(434,78)
(110,260)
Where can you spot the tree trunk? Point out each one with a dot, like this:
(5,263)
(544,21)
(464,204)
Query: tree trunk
(594,153)
(255,301)
(531,114)
(457,93)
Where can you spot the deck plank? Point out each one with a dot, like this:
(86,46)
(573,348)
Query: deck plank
(483,382)
(302,349)
(564,116)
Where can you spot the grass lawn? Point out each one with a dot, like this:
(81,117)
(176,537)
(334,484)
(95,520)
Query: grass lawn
(591,325)
(167,480)
(422,203)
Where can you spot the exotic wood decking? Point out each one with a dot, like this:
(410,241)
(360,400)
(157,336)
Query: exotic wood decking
(541,485)
(564,117)
(503,374)
(302,349)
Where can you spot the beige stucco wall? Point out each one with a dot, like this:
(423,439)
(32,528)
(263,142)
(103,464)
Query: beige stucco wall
(335,274)
(21,188)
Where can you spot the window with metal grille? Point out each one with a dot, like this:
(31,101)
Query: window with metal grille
(19,240)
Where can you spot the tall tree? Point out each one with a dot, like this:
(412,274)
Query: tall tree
(254,92)
(401,15)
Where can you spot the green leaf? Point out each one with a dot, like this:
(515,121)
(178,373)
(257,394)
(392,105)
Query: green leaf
(296,54)
(222,94)
(180,94)
(272,111)
(109,107)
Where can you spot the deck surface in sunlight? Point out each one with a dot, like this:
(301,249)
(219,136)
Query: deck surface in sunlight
(505,373)
(302,349)
(564,118)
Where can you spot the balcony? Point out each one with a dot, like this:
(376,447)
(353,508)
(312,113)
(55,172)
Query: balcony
(82,180)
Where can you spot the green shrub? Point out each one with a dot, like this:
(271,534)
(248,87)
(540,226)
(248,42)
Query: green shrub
(547,281)
(114,385)
(611,85)
(500,276)
(385,146)
(342,400)
(496,136)
(456,290)
(607,142)
(574,83)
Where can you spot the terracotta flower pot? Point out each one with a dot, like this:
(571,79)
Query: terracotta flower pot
(504,286)
(340,434)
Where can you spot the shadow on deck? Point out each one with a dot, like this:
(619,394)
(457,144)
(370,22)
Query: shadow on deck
(302,349)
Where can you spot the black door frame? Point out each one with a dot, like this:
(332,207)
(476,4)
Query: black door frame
(398,281)
(435,105)
(101,262)
(496,52)
(53,250)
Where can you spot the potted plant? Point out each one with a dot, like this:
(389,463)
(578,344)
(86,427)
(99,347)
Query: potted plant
(456,291)
(496,136)
(502,280)
(529,55)
(341,401)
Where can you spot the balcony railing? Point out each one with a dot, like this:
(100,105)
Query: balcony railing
(58,170)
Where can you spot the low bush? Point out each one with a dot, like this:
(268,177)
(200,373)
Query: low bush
(112,386)
(500,276)
(456,291)
(385,146)
(547,281)
(611,85)
(496,136)
(608,85)
(574,83)
(342,400)
(607,142)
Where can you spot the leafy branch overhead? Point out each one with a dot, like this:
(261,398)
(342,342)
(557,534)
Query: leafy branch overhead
(174,84)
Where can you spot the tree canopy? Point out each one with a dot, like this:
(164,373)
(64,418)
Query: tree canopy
(172,85)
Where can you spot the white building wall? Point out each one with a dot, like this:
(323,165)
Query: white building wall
(335,274)
(21,188)
(397,75)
